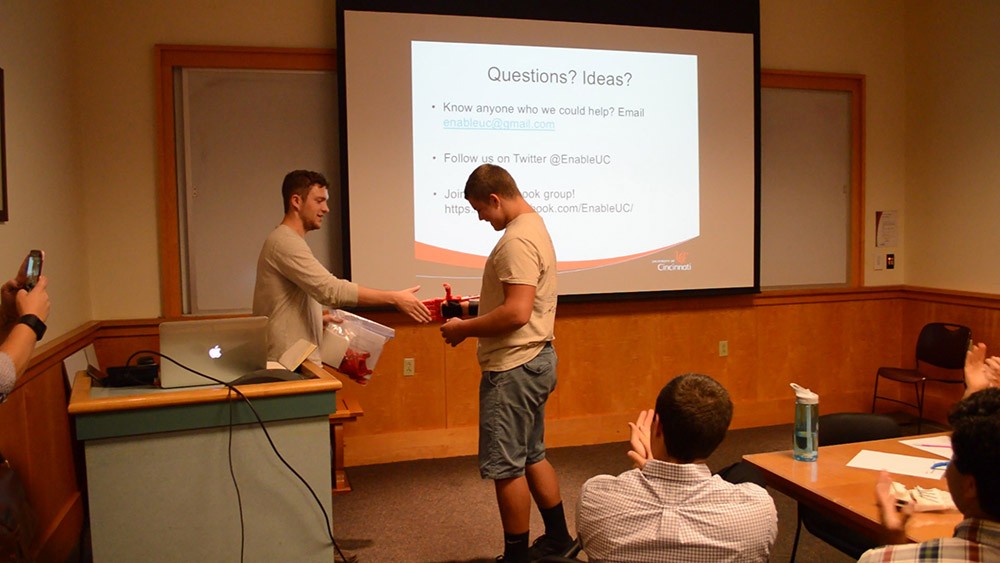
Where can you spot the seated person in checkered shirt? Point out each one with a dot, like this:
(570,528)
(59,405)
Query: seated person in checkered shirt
(974,482)
(671,507)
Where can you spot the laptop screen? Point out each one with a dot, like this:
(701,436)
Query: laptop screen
(224,349)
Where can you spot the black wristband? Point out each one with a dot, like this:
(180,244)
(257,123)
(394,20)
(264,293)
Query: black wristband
(451,309)
(34,323)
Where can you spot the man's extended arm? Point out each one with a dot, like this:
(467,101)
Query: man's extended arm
(296,262)
(405,300)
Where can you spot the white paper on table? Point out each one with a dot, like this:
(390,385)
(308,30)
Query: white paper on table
(937,445)
(73,364)
(895,463)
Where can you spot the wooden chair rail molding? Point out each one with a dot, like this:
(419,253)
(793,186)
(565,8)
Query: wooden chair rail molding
(947,296)
(37,440)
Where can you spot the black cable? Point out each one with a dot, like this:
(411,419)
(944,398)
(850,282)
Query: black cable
(260,422)
(232,475)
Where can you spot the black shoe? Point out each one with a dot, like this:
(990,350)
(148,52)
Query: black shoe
(545,546)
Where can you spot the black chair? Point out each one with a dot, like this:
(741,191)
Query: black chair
(743,472)
(942,345)
(844,428)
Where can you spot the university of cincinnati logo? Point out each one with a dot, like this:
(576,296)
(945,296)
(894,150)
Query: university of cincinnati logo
(679,263)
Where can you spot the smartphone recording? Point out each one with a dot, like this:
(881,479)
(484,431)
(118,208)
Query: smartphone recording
(34,269)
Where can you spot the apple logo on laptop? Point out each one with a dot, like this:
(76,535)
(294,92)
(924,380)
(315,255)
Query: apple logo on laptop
(215,352)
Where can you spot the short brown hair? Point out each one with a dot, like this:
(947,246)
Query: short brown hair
(300,182)
(490,179)
(695,412)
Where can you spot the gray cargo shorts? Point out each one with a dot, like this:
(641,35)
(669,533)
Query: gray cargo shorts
(512,415)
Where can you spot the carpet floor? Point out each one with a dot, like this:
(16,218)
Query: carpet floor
(440,510)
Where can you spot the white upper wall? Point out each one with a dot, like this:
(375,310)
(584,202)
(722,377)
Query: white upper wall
(44,193)
(953,144)
(114,53)
(88,67)
(854,37)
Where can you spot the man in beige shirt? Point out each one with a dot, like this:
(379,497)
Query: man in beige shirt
(517,309)
(293,287)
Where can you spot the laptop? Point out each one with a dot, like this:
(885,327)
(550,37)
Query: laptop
(221,348)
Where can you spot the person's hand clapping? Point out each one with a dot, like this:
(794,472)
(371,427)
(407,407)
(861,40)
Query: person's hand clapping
(639,432)
(980,371)
(893,521)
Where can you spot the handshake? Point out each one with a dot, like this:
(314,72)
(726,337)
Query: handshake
(452,305)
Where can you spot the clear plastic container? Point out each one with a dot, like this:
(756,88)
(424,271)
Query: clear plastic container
(354,345)
(805,446)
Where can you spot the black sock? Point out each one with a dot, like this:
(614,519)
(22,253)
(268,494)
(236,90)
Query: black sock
(515,548)
(555,522)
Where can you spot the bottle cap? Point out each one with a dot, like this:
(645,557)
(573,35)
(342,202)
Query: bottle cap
(805,396)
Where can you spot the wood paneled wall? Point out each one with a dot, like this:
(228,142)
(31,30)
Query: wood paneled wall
(36,437)
(979,312)
(615,356)
(613,359)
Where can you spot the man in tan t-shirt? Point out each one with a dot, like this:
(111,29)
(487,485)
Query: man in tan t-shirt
(292,286)
(517,310)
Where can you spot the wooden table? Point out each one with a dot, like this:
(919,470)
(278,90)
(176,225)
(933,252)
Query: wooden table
(847,494)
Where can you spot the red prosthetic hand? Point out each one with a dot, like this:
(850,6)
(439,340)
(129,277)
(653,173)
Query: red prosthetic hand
(448,307)
(355,365)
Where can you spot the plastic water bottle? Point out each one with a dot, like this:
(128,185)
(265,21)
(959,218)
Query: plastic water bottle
(805,447)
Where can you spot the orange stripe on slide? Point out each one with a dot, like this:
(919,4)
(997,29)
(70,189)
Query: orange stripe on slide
(436,254)
(429,253)
(569,266)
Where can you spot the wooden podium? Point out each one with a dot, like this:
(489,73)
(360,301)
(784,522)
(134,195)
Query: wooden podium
(160,466)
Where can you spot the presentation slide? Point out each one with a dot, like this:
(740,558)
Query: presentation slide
(635,144)
(574,124)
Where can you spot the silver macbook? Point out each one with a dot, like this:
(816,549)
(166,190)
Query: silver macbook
(221,348)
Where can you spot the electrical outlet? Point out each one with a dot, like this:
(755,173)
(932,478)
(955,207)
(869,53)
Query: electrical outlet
(409,367)
(723,348)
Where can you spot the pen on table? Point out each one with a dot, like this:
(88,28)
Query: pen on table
(940,465)
(934,446)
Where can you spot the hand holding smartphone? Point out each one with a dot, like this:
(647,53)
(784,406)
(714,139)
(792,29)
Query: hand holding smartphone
(33,269)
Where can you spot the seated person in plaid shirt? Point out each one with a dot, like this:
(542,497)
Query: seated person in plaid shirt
(974,482)
(671,507)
